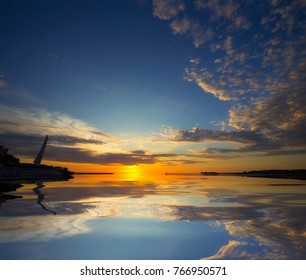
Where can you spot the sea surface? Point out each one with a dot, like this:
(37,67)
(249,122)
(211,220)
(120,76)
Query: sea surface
(169,217)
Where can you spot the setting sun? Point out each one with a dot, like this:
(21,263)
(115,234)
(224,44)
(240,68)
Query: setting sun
(131,173)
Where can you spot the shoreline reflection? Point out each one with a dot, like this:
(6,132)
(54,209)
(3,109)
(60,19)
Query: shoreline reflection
(6,188)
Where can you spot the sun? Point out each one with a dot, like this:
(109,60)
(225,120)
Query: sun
(132,173)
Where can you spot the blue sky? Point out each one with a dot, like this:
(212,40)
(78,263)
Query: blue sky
(169,82)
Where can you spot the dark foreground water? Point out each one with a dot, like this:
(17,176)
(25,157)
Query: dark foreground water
(182,217)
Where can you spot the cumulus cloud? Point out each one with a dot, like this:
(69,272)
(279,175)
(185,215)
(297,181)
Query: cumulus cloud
(262,76)
(201,33)
(245,141)
(280,115)
(228,44)
(167,9)
(170,10)
(198,33)
(242,68)
(225,9)
(278,112)
(181,26)
(251,141)
(228,10)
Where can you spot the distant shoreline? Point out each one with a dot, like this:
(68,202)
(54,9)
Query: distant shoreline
(299,174)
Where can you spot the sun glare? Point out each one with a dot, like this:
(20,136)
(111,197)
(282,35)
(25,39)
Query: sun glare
(131,173)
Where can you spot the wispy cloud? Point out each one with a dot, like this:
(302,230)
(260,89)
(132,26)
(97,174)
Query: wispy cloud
(3,84)
(24,133)
(36,121)
(16,93)
(55,56)
(203,79)
(25,228)
(227,250)
(72,140)
(79,155)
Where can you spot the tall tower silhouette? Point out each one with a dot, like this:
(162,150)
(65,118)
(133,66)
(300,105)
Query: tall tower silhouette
(39,156)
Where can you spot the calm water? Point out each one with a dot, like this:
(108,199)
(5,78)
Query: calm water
(182,217)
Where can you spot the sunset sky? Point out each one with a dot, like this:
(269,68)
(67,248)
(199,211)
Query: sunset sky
(162,85)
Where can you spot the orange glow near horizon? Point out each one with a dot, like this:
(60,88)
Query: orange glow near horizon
(142,171)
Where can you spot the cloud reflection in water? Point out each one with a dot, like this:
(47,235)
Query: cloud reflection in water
(261,222)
